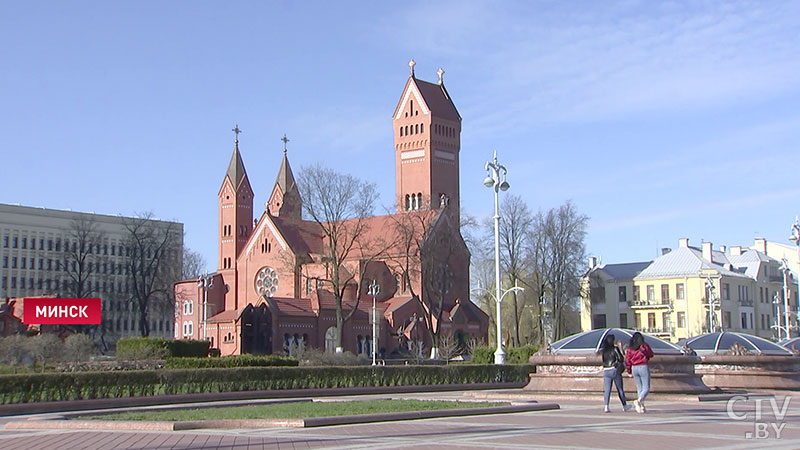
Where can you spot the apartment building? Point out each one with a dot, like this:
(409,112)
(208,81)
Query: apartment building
(671,296)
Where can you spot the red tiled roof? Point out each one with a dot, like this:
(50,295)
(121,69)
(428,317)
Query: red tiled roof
(230,315)
(438,100)
(293,306)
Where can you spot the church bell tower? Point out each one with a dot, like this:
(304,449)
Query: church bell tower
(427,141)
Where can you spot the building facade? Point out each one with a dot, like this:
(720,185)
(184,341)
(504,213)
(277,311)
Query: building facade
(671,296)
(38,250)
(271,292)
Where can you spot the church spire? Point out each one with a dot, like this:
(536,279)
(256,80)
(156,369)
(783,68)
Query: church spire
(285,200)
(236,171)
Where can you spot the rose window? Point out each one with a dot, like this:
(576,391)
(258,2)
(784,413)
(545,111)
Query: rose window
(266,282)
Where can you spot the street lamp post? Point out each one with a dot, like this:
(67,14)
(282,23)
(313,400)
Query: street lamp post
(712,303)
(785,269)
(205,282)
(496,179)
(776,300)
(795,237)
(506,292)
(374,291)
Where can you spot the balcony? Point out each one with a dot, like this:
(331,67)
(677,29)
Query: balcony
(747,302)
(668,330)
(652,304)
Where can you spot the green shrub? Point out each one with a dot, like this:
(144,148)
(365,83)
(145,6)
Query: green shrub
(214,352)
(520,355)
(88,385)
(136,348)
(483,354)
(188,348)
(79,347)
(229,361)
(317,357)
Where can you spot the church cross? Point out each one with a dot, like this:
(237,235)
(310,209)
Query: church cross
(285,140)
(236,132)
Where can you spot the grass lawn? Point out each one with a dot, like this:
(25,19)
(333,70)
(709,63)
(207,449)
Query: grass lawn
(294,410)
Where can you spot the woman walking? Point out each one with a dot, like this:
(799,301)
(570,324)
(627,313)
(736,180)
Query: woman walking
(636,359)
(613,365)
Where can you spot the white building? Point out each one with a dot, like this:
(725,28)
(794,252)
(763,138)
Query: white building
(35,261)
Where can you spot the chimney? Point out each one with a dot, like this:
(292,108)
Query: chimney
(707,252)
(665,250)
(761,245)
(592,262)
(736,250)
(683,242)
(723,248)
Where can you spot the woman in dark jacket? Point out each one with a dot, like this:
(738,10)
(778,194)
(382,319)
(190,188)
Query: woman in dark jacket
(613,365)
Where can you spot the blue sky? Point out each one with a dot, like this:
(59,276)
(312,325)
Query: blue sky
(659,120)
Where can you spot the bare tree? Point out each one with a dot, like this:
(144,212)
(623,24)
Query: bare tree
(430,248)
(81,257)
(514,233)
(194,265)
(82,261)
(153,263)
(562,233)
(340,205)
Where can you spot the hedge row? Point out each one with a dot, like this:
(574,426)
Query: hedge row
(87,385)
(514,355)
(230,361)
(136,348)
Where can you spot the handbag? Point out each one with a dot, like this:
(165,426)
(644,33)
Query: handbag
(619,361)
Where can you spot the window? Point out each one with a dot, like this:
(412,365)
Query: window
(5,262)
(188,308)
(623,295)
(5,241)
(681,319)
(635,293)
(664,292)
(598,321)
(763,322)
(666,320)
(651,292)
(744,320)
(24,242)
(679,291)
(13,262)
(651,320)
(623,320)
(726,291)
(14,241)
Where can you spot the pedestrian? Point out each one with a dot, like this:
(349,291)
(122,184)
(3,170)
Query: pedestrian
(613,366)
(636,360)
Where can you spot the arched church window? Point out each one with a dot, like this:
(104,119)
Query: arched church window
(398,283)
(401,131)
(419,200)
(413,201)
(411,107)
(408,202)
(416,129)
(406,127)
(422,128)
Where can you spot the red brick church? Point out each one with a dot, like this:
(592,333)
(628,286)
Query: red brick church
(269,294)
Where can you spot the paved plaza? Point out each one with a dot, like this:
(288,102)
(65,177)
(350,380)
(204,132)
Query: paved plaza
(578,424)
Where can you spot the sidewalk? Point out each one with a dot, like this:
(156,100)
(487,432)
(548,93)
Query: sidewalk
(578,424)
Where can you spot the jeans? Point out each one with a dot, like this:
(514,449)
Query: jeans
(609,376)
(641,374)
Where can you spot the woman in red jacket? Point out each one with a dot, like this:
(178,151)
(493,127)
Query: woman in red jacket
(636,358)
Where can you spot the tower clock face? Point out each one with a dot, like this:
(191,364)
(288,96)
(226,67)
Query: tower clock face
(266,282)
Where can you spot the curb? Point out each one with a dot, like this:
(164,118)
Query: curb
(130,425)
(123,402)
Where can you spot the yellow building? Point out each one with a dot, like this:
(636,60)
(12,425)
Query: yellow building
(669,297)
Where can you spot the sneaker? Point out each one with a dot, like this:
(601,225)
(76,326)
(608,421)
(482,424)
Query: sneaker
(644,410)
(606,409)
(626,407)
(638,406)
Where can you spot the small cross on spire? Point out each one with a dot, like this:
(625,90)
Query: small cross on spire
(441,74)
(285,140)
(411,64)
(236,132)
